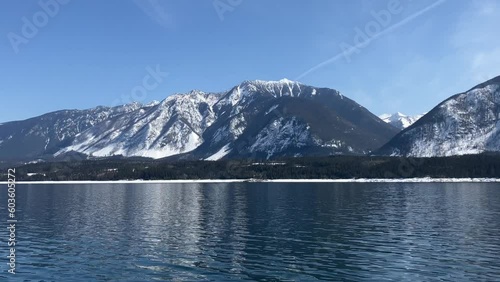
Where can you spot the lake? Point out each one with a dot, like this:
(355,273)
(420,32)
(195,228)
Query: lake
(255,232)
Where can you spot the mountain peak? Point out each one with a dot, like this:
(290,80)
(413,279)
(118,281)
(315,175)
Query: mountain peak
(400,120)
(195,92)
(152,103)
(258,82)
(286,80)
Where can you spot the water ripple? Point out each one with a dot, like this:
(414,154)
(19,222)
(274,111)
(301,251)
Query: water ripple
(258,232)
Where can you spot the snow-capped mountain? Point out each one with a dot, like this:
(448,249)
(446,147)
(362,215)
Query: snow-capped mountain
(264,119)
(44,135)
(261,119)
(467,123)
(400,120)
(171,127)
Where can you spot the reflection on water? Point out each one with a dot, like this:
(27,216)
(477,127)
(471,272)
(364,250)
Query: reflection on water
(257,231)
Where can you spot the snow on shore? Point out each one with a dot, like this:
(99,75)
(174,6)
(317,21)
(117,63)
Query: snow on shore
(359,180)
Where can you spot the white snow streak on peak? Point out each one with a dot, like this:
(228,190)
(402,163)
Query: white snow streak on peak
(283,87)
(268,82)
(152,103)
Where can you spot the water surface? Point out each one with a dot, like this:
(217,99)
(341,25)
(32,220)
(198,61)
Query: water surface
(256,232)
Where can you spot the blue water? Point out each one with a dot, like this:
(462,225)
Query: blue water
(255,232)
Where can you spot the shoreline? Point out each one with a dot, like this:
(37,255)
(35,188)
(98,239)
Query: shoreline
(207,181)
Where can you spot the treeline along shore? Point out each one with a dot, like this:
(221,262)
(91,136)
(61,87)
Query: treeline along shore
(333,167)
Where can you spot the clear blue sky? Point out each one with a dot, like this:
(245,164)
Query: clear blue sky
(93,52)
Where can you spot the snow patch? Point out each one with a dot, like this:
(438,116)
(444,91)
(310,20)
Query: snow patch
(271,164)
(355,180)
(281,135)
(220,154)
(34,173)
(271,109)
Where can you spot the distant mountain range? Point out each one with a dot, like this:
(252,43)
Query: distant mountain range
(400,120)
(258,119)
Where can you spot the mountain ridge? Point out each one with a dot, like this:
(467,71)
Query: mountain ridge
(465,123)
(256,118)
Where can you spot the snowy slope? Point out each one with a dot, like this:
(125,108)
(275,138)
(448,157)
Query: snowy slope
(280,135)
(265,119)
(43,135)
(467,123)
(171,127)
